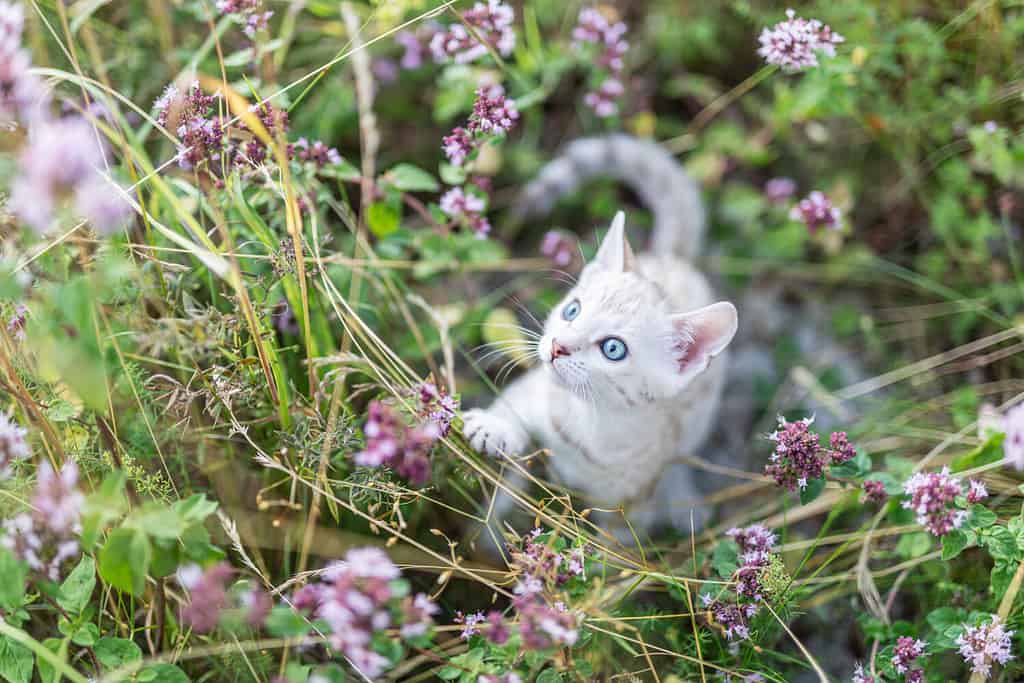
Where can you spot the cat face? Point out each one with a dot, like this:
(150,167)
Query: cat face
(613,340)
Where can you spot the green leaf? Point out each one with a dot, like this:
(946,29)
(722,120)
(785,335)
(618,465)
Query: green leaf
(116,652)
(166,673)
(914,545)
(16,662)
(285,622)
(383,219)
(453,175)
(549,676)
(981,517)
(77,588)
(102,507)
(989,452)
(124,560)
(725,558)
(812,490)
(87,635)
(158,521)
(12,586)
(1001,543)
(332,673)
(195,508)
(409,178)
(953,544)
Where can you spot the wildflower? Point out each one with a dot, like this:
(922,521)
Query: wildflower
(539,563)
(756,543)
(840,448)
(794,44)
(256,605)
(385,70)
(356,600)
(604,100)
(208,596)
(931,496)
(982,645)
(497,630)
(559,246)
(57,500)
(16,323)
(754,538)
(12,445)
(193,117)
(392,443)
(541,626)
(284,318)
(798,456)
(22,97)
(861,676)
(102,204)
(256,22)
(415,51)
(1013,444)
(778,190)
(470,623)
(458,146)
(491,21)
(874,492)
(493,112)
(594,28)
(467,209)
(990,126)
(734,618)
(976,491)
(28,540)
(438,407)
(905,653)
(816,211)
(319,153)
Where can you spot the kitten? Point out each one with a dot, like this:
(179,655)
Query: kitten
(625,384)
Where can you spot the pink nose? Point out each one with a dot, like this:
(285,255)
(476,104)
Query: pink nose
(558,350)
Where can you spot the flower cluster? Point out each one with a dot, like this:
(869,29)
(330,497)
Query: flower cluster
(976,491)
(466,209)
(874,492)
(414,47)
(1013,443)
(561,247)
(22,98)
(756,544)
(392,443)
(931,498)
(209,598)
(734,618)
(757,561)
(317,152)
(862,676)
(45,538)
(816,211)
(982,645)
(543,626)
(493,114)
(248,11)
(778,190)
(472,624)
(593,28)
(794,44)
(437,407)
(13,445)
(358,599)
(193,116)
(799,456)
(490,22)
(542,561)
(16,323)
(905,655)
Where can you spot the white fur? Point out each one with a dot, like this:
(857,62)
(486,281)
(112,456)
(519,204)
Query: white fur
(614,428)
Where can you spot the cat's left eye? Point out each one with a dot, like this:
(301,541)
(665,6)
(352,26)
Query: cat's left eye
(614,348)
(572,310)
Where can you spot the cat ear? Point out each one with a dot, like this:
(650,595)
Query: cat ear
(699,336)
(615,254)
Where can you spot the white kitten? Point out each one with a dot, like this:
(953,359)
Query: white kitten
(626,384)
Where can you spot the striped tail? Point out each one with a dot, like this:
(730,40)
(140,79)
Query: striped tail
(650,171)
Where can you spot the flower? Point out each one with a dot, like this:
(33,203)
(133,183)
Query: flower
(540,564)
(497,630)
(559,246)
(982,645)
(466,209)
(778,190)
(491,21)
(931,496)
(603,100)
(754,538)
(594,28)
(734,618)
(208,596)
(22,97)
(756,543)
(16,323)
(816,212)
(976,491)
(905,653)
(861,676)
(13,445)
(1013,443)
(798,456)
(470,623)
(492,111)
(392,443)
(57,500)
(840,448)
(415,51)
(542,626)
(417,613)
(874,492)
(794,44)
(458,146)
(319,153)
(438,407)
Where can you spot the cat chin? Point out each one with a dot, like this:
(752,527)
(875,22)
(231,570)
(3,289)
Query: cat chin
(560,379)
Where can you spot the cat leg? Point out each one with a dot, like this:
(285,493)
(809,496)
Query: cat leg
(504,428)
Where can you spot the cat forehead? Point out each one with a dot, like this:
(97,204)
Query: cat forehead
(619,293)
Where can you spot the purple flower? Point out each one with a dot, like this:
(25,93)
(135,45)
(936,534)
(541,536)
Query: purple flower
(840,448)
(257,605)
(16,323)
(794,44)
(208,595)
(905,653)
(778,190)
(990,126)
(415,51)
(538,564)
(491,21)
(982,645)
(861,676)
(102,203)
(437,407)
(319,153)
(237,6)
(756,543)
(417,616)
(1013,444)
(256,22)
(541,626)
(22,97)
(874,492)
(734,618)
(604,100)
(31,542)
(594,29)
(798,455)
(458,145)
(466,208)
(385,70)
(816,212)
(493,112)
(470,623)
(976,491)
(931,497)
(392,443)
(57,500)
(754,538)
(497,629)
(284,318)
(13,445)
(560,246)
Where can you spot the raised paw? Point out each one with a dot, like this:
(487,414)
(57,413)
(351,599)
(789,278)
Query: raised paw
(493,435)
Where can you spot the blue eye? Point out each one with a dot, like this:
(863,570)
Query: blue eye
(572,310)
(614,348)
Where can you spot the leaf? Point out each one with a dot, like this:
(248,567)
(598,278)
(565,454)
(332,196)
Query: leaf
(166,673)
(409,178)
(124,560)
(195,508)
(989,452)
(285,622)
(116,652)
(725,558)
(1001,543)
(981,517)
(102,507)
(16,662)
(77,588)
(812,490)
(914,545)
(158,521)
(12,586)
(953,544)
(382,218)
(87,635)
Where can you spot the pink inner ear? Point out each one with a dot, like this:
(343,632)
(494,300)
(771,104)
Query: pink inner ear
(688,347)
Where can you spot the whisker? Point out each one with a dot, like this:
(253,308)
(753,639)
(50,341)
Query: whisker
(519,304)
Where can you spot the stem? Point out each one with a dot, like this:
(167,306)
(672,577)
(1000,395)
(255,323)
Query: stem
(41,651)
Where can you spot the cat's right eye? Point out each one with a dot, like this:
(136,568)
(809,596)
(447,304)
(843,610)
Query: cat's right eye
(572,310)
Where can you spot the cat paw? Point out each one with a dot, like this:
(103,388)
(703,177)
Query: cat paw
(493,435)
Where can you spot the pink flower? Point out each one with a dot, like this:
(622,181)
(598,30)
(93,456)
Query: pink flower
(976,491)
(13,445)
(470,623)
(734,618)
(559,246)
(415,51)
(778,190)
(16,323)
(438,407)
(57,500)
(906,653)
(982,645)
(594,28)
(208,596)
(541,626)
(798,455)
(22,97)
(1013,444)
(492,111)
(793,44)
(466,208)
(319,153)
(491,21)
(931,498)
(874,492)
(861,676)
(604,100)
(816,211)
(458,146)
(840,448)
(392,443)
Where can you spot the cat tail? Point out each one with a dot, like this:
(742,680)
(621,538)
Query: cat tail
(643,165)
